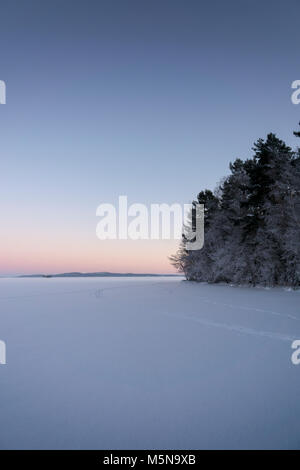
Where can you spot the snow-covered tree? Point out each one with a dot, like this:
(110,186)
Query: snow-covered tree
(252,225)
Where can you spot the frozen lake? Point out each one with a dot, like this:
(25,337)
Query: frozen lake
(147,363)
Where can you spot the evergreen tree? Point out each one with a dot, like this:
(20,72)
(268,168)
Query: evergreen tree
(252,225)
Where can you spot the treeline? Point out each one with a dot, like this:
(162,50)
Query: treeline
(251,222)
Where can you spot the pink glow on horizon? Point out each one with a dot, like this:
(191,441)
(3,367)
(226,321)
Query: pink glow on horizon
(36,254)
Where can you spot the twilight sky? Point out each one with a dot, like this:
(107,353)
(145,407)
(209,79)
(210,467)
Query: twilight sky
(150,99)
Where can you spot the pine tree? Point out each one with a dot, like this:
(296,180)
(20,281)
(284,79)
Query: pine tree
(252,224)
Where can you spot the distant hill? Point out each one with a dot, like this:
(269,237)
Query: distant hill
(98,274)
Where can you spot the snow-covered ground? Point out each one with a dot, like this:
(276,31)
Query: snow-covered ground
(147,363)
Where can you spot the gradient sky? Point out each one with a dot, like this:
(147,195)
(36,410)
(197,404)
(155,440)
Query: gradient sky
(151,99)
